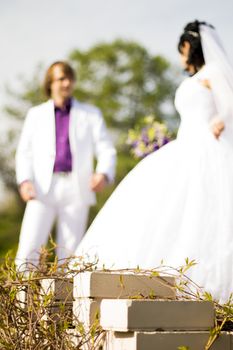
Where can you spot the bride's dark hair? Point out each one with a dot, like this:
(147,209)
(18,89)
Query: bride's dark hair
(191,35)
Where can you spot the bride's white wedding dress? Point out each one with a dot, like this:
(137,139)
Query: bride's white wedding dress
(176,203)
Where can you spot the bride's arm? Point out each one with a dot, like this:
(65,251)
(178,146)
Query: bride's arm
(217,125)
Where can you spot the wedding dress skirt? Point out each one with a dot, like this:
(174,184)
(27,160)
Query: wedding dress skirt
(176,203)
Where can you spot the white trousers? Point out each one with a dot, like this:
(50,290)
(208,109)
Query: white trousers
(63,205)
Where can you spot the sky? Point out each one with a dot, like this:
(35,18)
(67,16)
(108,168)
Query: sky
(34,32)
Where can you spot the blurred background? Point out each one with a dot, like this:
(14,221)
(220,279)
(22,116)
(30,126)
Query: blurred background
(125,55)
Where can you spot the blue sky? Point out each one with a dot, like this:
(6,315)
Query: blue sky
(44,31)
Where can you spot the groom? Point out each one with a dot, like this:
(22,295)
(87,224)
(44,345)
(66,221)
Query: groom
(54,166)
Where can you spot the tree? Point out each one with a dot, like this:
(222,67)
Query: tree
(121,78)
(14,113)
(124,81)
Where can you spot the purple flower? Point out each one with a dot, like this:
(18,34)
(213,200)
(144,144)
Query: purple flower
(149,138)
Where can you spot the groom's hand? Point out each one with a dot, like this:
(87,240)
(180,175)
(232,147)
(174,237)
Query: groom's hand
(27,191)
(98,182)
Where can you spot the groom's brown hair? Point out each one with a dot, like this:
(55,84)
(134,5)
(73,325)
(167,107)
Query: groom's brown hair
(66,69)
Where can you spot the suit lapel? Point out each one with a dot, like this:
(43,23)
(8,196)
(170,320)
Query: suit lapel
(78,123)
(50,124)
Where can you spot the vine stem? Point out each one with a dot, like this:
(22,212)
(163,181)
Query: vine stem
(214,337)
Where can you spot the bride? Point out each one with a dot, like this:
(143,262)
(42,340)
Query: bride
(178,201)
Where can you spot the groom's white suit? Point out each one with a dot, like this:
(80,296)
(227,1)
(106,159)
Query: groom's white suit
(88,138)
(71,192)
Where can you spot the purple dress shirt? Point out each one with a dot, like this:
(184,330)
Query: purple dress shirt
(63,159)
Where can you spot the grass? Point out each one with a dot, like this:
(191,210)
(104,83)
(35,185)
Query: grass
(10,222)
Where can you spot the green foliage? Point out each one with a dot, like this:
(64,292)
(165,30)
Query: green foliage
(123,80)
(31,94)
(33,318)
(15,110)
(10,221)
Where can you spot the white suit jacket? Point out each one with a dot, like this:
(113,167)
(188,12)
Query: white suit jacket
(35,155)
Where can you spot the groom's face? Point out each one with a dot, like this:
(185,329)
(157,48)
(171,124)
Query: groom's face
(62,85)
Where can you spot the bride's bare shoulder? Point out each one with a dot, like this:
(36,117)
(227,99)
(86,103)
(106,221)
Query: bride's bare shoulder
(205,74)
